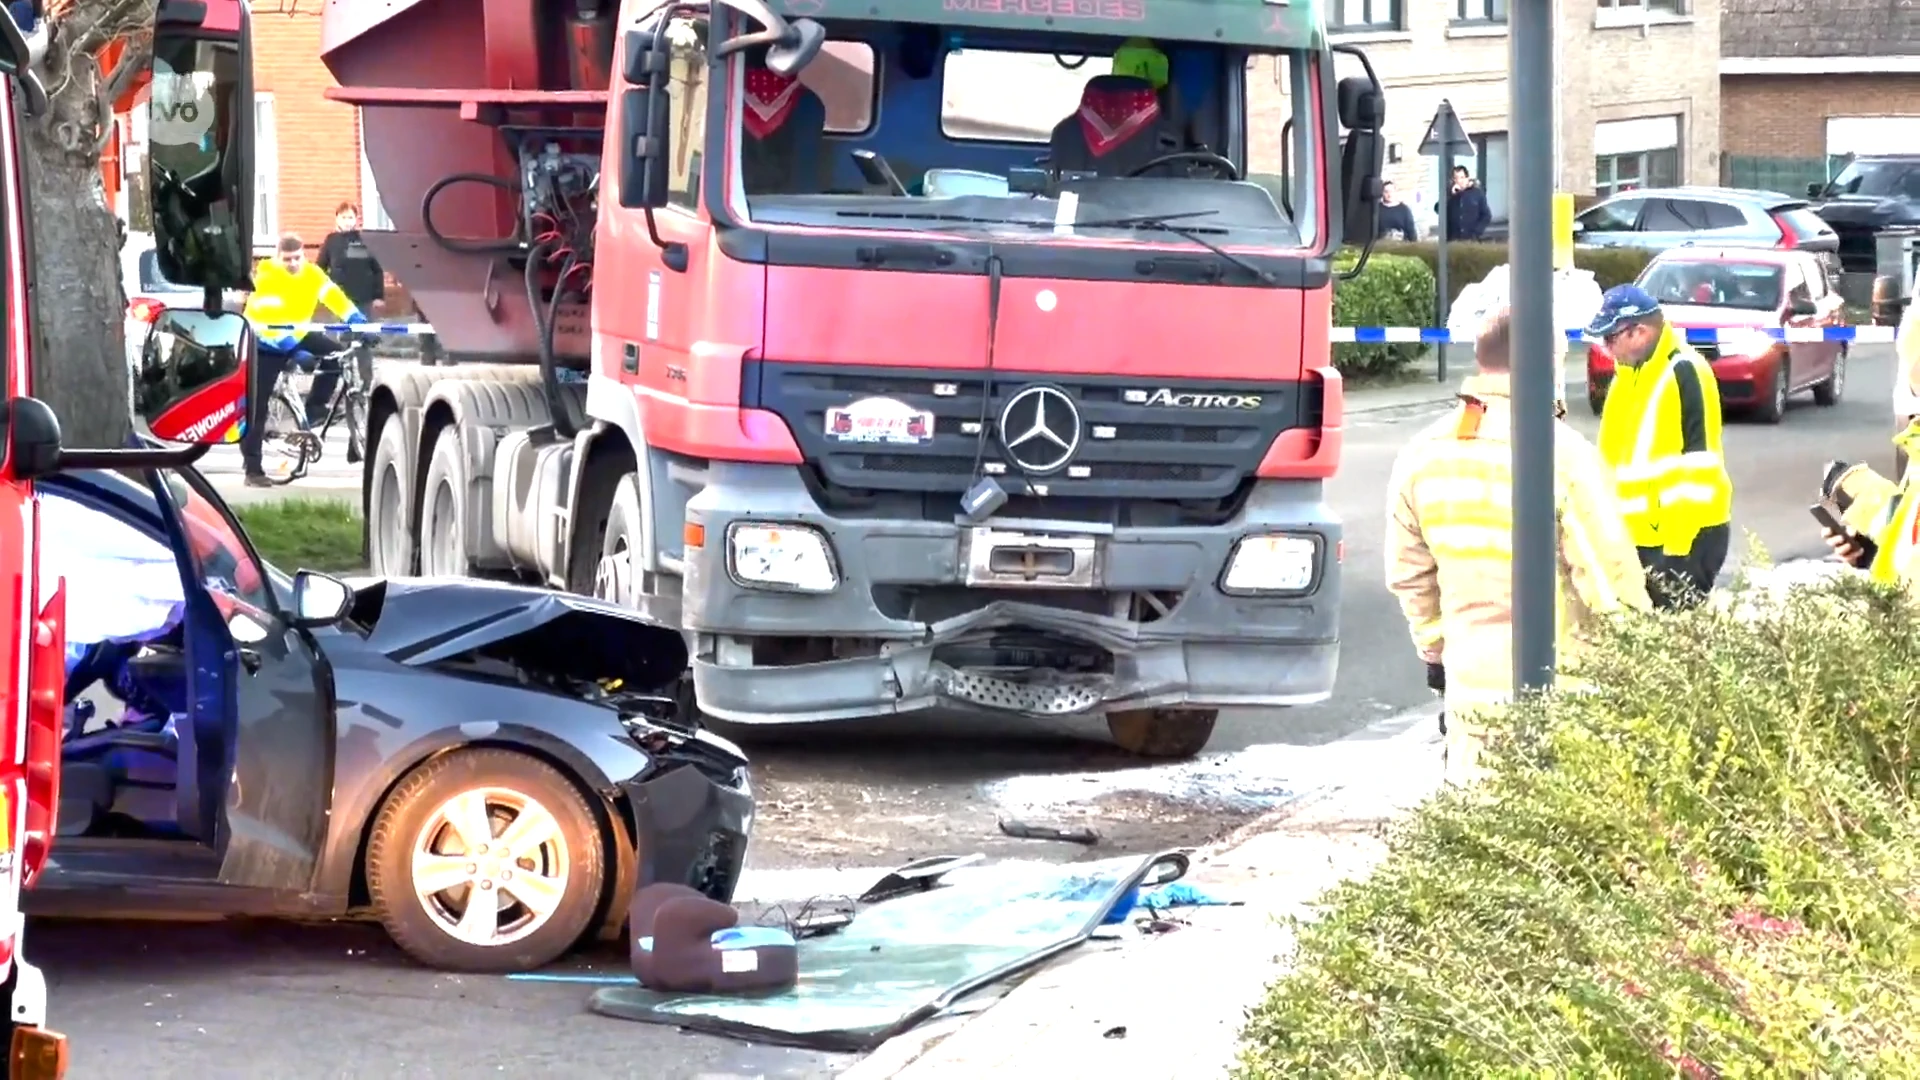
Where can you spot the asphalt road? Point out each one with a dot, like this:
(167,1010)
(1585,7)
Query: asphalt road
(298,1002)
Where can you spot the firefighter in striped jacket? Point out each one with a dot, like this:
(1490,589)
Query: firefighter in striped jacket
(1450,545)
(1660,435)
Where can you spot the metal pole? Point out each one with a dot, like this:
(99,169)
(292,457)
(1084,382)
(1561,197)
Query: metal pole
(1443,166)
(1538,345)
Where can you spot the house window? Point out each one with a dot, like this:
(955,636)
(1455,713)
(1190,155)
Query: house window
(1480,11)
(266,173)
(373,215)
(1633,154)
(1362,15)
(1663,7)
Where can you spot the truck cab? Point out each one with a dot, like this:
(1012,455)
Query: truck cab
(948,356)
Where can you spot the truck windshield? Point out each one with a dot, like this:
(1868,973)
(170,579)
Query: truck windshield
(1099,140)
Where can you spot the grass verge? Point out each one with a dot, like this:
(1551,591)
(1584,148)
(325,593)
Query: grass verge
(1708,866)
(305,534)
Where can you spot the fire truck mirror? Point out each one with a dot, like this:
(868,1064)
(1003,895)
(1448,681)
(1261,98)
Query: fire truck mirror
(200,169)
(644,178)
(191,384)
(1362,109)
(803,42)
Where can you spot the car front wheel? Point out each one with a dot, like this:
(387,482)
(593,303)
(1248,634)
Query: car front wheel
(1773,407)
(486,861)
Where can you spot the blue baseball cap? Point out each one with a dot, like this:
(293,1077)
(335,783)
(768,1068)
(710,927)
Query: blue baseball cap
(1621,304)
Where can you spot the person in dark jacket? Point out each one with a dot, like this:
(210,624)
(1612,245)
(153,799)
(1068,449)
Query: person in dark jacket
(1467,212)
(347,261)
(1396,217)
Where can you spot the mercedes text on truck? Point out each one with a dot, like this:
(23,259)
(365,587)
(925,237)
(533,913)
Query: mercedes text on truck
(761,325)
(199,121)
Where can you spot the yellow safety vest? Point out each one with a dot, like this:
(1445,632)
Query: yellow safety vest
(1669,490)
(1898,533)
(280,298)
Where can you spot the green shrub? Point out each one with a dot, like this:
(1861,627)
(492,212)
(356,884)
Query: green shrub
(1393,290)
(1709,866)
(305,534)
(1468,263)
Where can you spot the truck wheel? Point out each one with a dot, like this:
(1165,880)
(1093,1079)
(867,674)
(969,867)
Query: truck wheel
(389,495)
(608,568)
(486,860)
(1162,733)
(443,509)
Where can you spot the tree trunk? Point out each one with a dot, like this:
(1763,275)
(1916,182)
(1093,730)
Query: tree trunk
(79,305)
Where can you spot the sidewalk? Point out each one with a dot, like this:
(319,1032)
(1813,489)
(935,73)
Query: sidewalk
(1425,388)
(1170,1007)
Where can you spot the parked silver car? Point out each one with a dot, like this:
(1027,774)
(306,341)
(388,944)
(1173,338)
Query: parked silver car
(1660,218)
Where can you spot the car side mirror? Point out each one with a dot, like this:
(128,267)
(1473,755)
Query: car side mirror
(1814,190)
(319,599)
(1802,309)
(200,143)
(192,380)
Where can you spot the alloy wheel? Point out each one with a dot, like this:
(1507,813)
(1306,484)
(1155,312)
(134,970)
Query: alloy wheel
(490,866)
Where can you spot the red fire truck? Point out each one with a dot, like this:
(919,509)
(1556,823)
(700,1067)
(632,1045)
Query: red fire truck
(192,374)
(883,408)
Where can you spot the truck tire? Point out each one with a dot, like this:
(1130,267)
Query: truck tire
(390,546)
(443,509)
(613,575)
(1162,733)
(422,830)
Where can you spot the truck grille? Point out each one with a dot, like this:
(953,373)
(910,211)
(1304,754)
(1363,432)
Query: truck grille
(1128,449)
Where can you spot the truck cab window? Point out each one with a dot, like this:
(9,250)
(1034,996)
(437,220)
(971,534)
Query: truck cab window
(688,112)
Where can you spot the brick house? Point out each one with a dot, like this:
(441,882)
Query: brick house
(1803,83)
(1639,100)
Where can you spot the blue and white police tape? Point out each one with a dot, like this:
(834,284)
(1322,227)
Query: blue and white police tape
(1697,335)
(347,328)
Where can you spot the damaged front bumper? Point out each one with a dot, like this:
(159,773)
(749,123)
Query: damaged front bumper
(915,604)
(692,812)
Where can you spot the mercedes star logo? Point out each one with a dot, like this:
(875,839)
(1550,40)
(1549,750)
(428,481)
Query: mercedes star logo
(1040,427)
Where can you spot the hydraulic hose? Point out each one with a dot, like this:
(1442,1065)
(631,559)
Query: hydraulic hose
(543,327)
(510,243)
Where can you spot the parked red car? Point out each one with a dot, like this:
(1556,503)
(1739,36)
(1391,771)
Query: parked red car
(1746,289)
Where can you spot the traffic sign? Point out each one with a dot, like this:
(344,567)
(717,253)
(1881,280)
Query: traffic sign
(1445,133)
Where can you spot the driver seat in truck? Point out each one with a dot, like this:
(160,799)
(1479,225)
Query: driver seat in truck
(1121,124)
(784,125)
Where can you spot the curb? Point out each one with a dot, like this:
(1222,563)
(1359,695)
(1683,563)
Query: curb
(1138,1009)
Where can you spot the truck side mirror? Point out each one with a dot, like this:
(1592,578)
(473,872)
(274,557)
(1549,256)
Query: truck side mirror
(200,143)
(193,379)
(644,110)
(1363,110)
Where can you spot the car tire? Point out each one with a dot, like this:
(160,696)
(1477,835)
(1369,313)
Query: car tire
(1597,401)
(390,547)
(1831,387)
(1773,408)
(443,509)
(1162,733)
(417,824)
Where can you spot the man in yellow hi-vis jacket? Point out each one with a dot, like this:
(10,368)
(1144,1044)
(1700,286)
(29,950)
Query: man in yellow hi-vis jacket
(1660,434)
(1450,544)
(1883,517)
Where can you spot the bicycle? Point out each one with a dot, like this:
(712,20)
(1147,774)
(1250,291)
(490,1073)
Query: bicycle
(287,430)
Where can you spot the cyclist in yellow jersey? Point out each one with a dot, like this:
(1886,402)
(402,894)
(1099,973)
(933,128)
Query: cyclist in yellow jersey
(287,290)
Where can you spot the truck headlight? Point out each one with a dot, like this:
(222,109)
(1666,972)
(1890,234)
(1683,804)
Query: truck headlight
(780,557)
(1271,564)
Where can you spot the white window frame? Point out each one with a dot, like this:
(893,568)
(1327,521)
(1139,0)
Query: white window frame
(266,172)
(373,213)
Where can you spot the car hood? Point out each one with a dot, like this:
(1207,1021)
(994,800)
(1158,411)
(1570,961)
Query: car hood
(1855,209)
(424,621)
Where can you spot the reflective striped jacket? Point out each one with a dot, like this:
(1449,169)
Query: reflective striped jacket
(1450,542)
(1660,436)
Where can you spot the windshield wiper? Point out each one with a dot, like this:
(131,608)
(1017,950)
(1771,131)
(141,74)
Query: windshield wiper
(1159,222)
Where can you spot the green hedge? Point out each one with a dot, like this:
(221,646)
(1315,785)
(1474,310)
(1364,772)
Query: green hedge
(1468,263)
(1393,290)
(1707,867)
